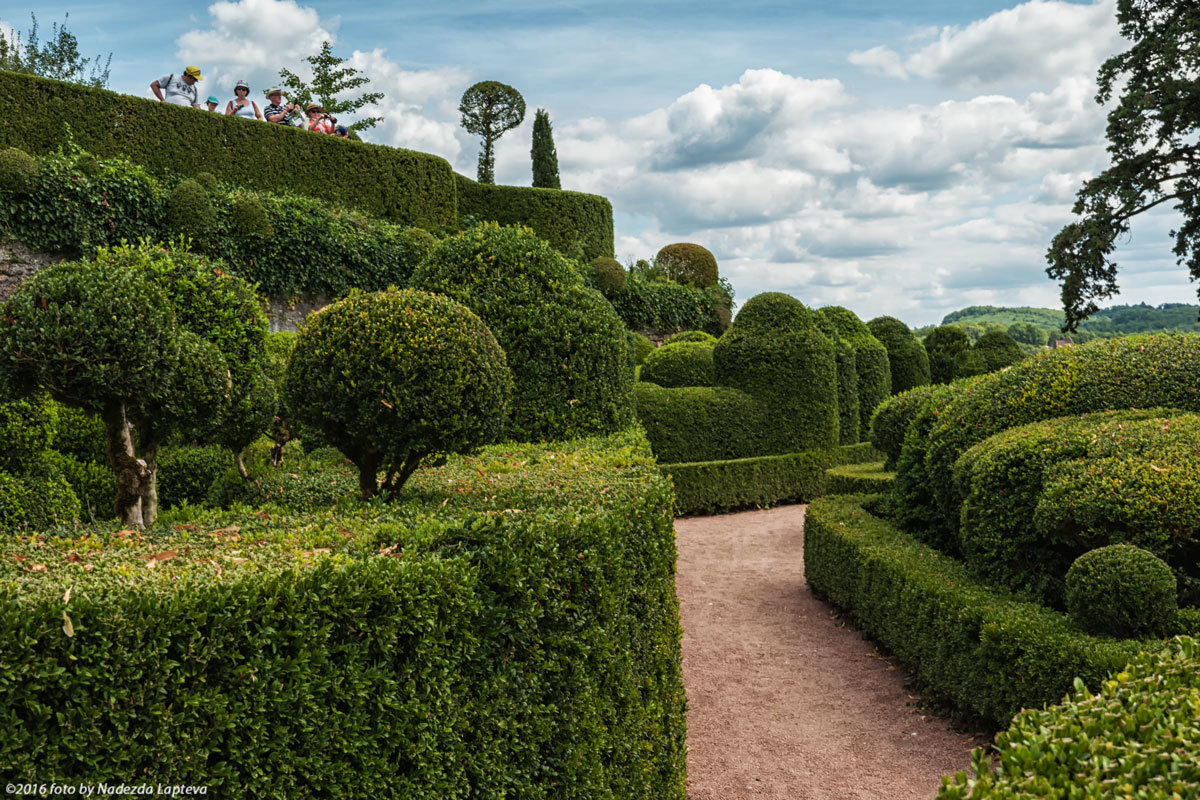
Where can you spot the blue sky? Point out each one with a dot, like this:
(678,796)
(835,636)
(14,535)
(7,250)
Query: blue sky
(905,159)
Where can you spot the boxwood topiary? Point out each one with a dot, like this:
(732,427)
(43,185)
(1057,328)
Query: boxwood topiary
(1121,590)
(417,243)
(92,482)
(702,423)
(998,350)
(77,433)
(641,346)
(913,506)
(190,210)
(393,377)
(186,473)
(689,264)
(17,170)
(680,364)
(565,345)
(609,276)
(207,180)
(248,216)
(889,425)
(36,500)
(944,345)
(871,367)
(849,417)
(907,358)
(690,336)
(26,430)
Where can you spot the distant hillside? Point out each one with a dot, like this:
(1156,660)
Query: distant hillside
(1106,323)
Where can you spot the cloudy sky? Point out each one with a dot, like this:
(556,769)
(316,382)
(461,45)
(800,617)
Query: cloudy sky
(895,158)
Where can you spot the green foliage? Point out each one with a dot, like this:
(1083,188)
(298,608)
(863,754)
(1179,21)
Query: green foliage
(679,364)
(26,430)
(660,305)
(871,367)
(641,346)
(248,217)
(868,478)
(417,243)
(849,415)
(400,186)
(510,628)
(303,484)
(702,423)
(998,350)
(77,433)
(689,264)
(945,345)
(565,346)
(907,359)
(889,425)
(717,487)
(985,652)
(1127,740)
(58,58)
(690,336)
(186,473)
(332,79)
(393,377)
(207,180)
(543,153)
(1121,590)
(1027,333)
(36,500)
(17,170)
(92,482)
(574,223)
(489,108)
(609,276)
(914,507)
(189,210)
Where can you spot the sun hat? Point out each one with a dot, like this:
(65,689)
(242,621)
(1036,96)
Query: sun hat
(311,106)
(212,98)
(194,72)
(241,85)
(273,90)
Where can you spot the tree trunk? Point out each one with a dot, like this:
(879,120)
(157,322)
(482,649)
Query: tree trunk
(132,472)
(368,474)
(240,463)
(150,489)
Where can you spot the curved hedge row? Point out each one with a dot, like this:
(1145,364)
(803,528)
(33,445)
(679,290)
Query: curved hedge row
(701,423)
(681,363)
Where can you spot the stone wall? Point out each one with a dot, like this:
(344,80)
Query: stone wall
(18,262)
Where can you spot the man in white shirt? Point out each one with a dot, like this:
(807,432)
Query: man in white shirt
(179,89)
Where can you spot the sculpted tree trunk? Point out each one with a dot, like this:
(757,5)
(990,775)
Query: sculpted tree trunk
(368,474)
(150,488)
(133,474)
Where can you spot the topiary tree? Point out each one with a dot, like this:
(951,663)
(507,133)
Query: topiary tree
(690,336)
(642,347)
(945,345)
(565,345)
(393,377)
(1121,590)
(843,352)
(143,336)
(545,157)
(418,243)
(190,210)
(17,170)
(689,264)
(998,350)
(871,367)
(906,355)
(609,276)
(489,108)
(248,216)
(680,364)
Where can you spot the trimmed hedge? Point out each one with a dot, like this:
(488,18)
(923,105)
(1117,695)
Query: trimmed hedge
(889,424)
(998,350)
(945,345)
(648,304)
(869,478)
(985,652)
(715,487)
(871,366)
(576,224)
(690,336)
(512,631)
(678,364)
(701,423)
(1136,737)
(185,474)
(1121,590)
(689,264)
(907,358)
(399,185)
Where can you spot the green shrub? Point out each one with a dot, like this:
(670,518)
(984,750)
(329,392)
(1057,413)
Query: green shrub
(417,243)
(889,425)
(690,336)
(92,482)
(998,350)
(17,170)
(641,346)
(248,217)
(565,346)
(186,473)
(650,304)
(1133,738)
(914,508)
(717,487)
(679,364)
(870,478)
(689,264)
(1121,590)
(985,652)
(872,371)
(190,211)
(609,276)
(26,430)
(312,484)
(970,363)
(907,359)
(702,423)
(945,345)
(392,378)
(207,180)
(77,433)
(36,500)
(401,186)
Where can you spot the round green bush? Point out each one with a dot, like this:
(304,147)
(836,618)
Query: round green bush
(77,433)
(392,377)
(92,482)
(849,417)
(565,345)
(17,170)
(206,180)
(889,425)
(998,350)
(702,423)
(689,264)
(944,345)
(690,336)
(907,358)
(609,276)
(37,500)
(680,364)
(26,430)
(776,353)
(642,347)
(1121,590)
(190,210)
(248,216)
(418,243)
(872,370)
(186,473)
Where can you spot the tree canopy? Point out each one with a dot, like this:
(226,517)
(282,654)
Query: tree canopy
(332,78)
(489,108)
(58,58)
(1152,141)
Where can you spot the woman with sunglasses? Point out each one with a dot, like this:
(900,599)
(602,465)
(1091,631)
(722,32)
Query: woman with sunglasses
(241,105)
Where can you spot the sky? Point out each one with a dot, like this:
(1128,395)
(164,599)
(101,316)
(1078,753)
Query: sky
(906,159)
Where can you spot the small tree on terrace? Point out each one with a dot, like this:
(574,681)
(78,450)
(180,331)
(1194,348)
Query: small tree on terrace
(545,157)
(143,336)
(489,108)
(58,58)
(331,77)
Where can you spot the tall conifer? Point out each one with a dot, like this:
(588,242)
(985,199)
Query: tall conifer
(545,157)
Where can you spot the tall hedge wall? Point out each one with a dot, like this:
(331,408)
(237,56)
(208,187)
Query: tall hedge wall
(577,224)
(400,185)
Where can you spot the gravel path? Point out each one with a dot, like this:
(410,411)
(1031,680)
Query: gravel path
(785,701)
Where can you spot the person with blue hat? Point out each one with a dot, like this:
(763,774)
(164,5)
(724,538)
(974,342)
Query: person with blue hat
(241,105)
(212,102)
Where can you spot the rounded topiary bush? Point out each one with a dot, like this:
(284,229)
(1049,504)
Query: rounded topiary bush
(37,500)
(26,430)
(418,243)
(688,264)
(907,358)
(565,345)
(680,364)
(641,345)
(17,170)
(392,377)
(609,276)
(207,180)
(872,370)
(889,425)
(248,216)
(690,336)
(944,345)
(847,376)
(190,210)
(1121,590)
(186,473)
(998,350)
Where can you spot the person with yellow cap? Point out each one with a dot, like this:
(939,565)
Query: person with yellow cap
(179,89)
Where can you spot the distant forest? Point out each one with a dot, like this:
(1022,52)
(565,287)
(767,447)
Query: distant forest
(1039,326)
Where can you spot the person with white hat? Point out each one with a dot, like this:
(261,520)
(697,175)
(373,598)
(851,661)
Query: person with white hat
(276,111)
(179,88)
(241,105)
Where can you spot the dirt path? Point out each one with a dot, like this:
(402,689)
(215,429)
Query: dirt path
(784,701)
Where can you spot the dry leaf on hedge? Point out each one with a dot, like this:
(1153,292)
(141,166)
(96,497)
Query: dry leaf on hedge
(68,628)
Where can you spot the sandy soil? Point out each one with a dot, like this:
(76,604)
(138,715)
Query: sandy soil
(785,700)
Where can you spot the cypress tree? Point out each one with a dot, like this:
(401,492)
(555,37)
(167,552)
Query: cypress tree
(545,158)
